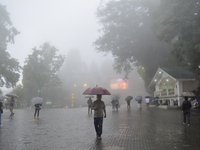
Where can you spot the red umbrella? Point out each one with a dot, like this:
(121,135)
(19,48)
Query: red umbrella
(96,91)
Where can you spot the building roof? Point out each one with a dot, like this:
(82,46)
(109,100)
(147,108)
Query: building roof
(176,73)
(179,73)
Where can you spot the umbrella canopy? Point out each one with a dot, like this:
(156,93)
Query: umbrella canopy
(138,98)
(128,98)
(89,96)
(188,94)
(11,95)
(96,91)
(37,100)
(115,97)
(198,99)
(147,96)
(2,97)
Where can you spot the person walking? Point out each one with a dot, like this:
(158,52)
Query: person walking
(12,103)
(140,104)
(89,105)
(147,99)
(99,112)
(37,110)
(128,103)
(117,104)
(113,104)
(186,105)
(1,111)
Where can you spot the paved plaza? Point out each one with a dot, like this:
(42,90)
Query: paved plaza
(72,129)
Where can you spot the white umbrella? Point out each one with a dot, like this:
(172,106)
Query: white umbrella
(37,100)
(188,94)
(115,97)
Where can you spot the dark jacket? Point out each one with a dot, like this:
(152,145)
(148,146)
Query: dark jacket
(186,106)
(37,106)
(1,105)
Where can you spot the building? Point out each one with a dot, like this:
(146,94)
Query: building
(170,83)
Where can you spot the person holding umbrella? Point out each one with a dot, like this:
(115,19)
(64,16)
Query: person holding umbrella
(98,106)
(117,104)
(37,109)
(38,102)
(186,110)
(99,112)
(139,100)
(113,104)
(89,105)
(12,101)
(147,99)
(128,100)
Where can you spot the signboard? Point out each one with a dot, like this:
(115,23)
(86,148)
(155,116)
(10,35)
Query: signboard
(48,103)
(118,84)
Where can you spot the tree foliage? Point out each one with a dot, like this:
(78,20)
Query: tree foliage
(9,67)
(181,26)
(41,68)
(128,35)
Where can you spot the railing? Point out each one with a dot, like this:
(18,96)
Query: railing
(164,93)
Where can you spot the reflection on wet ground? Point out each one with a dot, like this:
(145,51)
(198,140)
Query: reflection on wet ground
(72,128)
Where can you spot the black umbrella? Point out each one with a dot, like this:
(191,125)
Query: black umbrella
(128,98)
(11,95)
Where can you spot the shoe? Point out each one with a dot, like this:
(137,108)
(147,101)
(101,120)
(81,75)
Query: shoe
(99,138)
(183,123)
(188,124)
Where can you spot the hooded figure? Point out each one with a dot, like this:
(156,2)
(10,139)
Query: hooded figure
(186,110)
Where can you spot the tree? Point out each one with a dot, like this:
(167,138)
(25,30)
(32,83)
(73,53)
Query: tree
(127,34)
(9,67)
(41,68)
(181,26)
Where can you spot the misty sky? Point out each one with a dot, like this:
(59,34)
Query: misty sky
(65,24)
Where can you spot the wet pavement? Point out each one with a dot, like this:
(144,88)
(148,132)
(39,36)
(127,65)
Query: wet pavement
(72,129)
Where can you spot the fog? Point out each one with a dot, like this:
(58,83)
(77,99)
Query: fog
(66,25)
